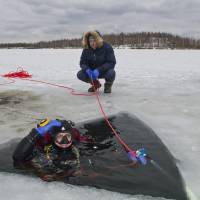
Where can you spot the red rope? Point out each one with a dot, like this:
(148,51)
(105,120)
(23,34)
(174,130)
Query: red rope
(110,125)
(24,75)
(72,91)
(20,73)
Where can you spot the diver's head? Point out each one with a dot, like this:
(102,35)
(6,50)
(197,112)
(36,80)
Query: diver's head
(63,140)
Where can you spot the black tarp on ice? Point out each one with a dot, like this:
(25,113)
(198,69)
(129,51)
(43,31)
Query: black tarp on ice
(107,166)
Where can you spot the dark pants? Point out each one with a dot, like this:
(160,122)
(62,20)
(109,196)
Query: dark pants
(109,76)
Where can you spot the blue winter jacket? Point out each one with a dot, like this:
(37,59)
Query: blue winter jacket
(102,58)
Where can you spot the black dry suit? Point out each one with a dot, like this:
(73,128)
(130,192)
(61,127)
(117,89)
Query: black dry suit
(56,160)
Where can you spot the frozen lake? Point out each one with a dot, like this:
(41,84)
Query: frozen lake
(161,87)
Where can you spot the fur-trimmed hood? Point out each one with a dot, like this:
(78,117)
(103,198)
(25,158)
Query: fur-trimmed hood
(97,37)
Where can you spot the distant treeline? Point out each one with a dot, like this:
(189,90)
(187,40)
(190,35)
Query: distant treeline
(142,40)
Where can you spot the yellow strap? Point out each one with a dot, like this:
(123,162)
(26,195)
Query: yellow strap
(44,122)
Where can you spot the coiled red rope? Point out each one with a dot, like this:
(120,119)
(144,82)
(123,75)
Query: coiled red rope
(20,73)
(24,75)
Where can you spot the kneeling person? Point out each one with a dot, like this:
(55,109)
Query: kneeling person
(97,62)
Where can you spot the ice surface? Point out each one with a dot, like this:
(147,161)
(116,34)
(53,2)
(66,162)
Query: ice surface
(161,87)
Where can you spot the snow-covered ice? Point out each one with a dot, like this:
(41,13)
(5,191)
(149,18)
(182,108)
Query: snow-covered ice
(161,87)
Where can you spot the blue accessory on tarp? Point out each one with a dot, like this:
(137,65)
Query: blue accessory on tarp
(138,156)
(132,156)
(141,156)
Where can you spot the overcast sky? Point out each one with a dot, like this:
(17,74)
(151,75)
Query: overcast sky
(36,20)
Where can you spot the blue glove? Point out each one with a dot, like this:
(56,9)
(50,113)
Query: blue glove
(95,74)
(132,156)
(47,128)
(89,72)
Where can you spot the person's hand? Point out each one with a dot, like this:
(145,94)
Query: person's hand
(89,73)
(95,74)
(47,128)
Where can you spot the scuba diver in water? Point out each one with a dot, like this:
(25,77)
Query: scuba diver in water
(50,151)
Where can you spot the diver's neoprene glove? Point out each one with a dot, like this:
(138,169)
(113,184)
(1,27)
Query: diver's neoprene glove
(48,127)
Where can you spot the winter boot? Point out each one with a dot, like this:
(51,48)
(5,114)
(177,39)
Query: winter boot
(108,87)
(94,87)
